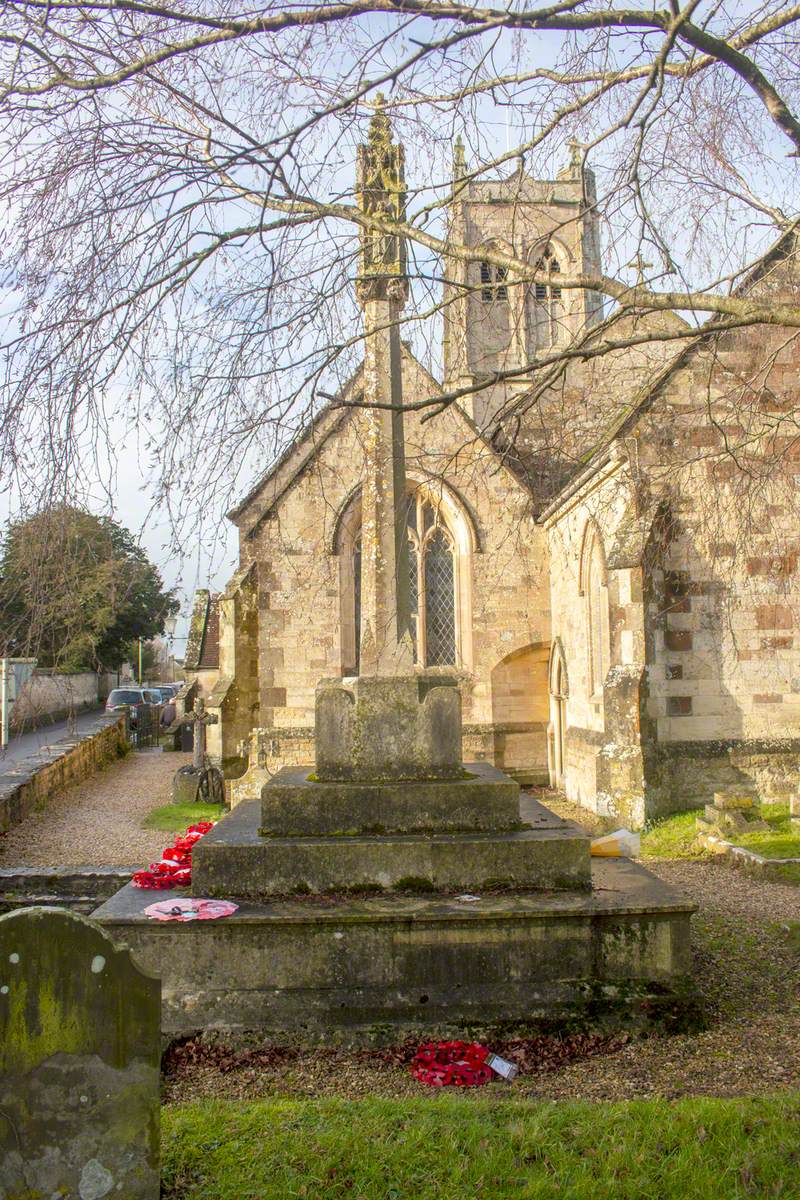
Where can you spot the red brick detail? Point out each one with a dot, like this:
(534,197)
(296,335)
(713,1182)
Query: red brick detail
(705,437)
(769,698)
(678,639)
(779,564)
(679,706)
(722,472)
(777,643)
(774,616)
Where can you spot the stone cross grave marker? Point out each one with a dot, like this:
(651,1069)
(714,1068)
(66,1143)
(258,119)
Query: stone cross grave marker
(79,1062)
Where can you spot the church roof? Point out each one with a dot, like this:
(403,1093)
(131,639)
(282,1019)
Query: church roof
(597,455)
(202,644)
(312,436)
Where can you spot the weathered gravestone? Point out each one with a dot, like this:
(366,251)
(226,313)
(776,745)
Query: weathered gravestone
(79,1062)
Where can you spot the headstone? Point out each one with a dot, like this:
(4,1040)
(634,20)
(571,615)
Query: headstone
(794,810)
(79,1062)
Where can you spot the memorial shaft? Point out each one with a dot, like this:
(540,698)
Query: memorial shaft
(382,288)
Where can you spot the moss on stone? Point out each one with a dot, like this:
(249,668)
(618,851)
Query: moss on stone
(414,884)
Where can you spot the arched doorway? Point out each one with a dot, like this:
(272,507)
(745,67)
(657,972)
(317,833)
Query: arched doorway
(519,713)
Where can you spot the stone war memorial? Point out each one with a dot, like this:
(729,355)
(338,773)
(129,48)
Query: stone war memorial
(389,886)
(79,1062)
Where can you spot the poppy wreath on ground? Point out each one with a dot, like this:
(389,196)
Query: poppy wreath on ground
(451,1064)
(175,868)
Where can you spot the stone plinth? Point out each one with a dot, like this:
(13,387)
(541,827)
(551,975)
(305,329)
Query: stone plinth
(366,970)
(376,728)
(79,1062)
(235,860)
(293,804)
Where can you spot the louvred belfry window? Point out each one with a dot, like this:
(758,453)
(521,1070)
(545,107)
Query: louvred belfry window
(548,304)
(493,282)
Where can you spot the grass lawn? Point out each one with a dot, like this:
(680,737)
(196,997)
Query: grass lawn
(782,840)
(455,1147)
(674,837)
(175,818)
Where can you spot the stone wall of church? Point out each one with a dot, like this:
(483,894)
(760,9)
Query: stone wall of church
(726,595)
(503,603)
(602,734)
(713,614)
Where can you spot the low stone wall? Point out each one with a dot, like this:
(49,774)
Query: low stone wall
(49,696)
(28,785)
(778,870)
(685,775)
(77,888)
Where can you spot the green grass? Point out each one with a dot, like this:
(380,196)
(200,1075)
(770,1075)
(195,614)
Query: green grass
(781,841)
(447,1147)
(674,837)
(174,818)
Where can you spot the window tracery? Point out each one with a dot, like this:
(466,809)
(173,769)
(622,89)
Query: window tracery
(547,301)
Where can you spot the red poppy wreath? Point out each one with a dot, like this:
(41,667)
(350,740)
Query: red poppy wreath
(175,868)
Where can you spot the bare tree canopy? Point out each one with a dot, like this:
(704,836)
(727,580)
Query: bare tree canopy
(183,234)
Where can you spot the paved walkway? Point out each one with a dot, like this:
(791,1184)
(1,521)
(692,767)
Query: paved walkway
(98,822)
(26,745)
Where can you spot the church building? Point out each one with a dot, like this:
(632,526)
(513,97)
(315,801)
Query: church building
(604,554)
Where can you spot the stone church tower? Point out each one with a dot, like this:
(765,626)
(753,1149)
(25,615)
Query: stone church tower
(491,323)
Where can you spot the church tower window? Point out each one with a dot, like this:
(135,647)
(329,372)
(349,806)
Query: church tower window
(548,308)
(493,282)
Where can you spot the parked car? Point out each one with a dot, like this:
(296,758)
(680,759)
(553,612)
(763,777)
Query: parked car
(133,699)
(166,690)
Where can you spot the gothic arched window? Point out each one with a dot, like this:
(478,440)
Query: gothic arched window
(594,585)
(548,308)
(441,541)
(431,555)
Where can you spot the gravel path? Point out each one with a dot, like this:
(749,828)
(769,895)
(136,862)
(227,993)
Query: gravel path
(747,968)
(98,822)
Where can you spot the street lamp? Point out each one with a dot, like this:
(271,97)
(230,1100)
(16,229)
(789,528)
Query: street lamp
(170,625)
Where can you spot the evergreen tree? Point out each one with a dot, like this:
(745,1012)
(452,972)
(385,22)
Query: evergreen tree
(76,591)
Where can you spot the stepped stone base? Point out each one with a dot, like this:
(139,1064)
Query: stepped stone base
(235,860)
(294,804)
(372,970)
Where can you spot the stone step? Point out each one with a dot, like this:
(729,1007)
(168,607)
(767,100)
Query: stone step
(234,860)
(293,804)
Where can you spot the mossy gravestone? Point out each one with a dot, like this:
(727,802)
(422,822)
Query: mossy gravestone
(79,1063)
